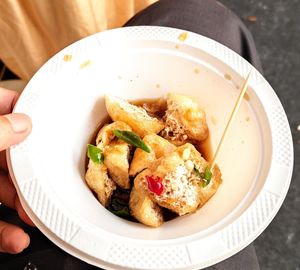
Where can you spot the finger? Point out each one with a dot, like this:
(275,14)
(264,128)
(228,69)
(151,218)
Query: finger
(13,129)
(8,100)
(9,197)
(3,164)
(8,192)
(21,212)
(12,238)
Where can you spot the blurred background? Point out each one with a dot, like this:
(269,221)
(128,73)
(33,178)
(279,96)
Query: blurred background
(275,25)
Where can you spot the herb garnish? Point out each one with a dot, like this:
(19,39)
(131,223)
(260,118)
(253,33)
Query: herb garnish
(205,176)
(124,212)
(196,171)
(95,154)
(120,208)
(131,138)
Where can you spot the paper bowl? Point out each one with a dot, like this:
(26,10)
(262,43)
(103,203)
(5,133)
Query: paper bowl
(65,101)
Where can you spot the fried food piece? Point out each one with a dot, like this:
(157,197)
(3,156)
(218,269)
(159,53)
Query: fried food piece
(136,117)
(207,192)
(99,181)
(189,153)
(106,133)
(116,153)
(116,156)
(159,147)
(143,208)
(183,191)
(179,194)
(155,108)
(184,120)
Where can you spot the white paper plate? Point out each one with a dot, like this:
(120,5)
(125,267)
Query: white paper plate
(65,101)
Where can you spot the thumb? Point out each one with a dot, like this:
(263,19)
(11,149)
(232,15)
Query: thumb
(14,128)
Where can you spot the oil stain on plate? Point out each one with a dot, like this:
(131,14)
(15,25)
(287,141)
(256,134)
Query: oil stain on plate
(196,70)
(213,120)
(227,77)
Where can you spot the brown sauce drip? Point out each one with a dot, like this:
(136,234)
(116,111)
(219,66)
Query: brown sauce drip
(155,108)
(205,148)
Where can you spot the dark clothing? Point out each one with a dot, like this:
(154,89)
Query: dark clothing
(206,17)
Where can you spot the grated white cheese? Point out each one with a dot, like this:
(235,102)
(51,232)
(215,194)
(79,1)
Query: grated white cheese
(173,130)
(179,188)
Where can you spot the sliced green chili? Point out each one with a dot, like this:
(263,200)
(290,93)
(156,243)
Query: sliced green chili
(131,138)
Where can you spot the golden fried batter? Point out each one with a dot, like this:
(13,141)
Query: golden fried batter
(136,117)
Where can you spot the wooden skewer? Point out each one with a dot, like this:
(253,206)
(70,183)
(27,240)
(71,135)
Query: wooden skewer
(232,116)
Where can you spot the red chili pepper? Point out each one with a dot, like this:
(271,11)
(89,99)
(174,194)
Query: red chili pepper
(155,184)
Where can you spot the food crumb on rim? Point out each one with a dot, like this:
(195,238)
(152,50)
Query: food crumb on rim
(183,36)
(67,57)
(85,63)
(227,77)
(246,96)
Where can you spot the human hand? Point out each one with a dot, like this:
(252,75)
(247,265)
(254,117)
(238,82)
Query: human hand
(13,129)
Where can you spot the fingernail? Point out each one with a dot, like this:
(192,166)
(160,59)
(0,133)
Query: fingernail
(23,243)
(19,122)
(27,241)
